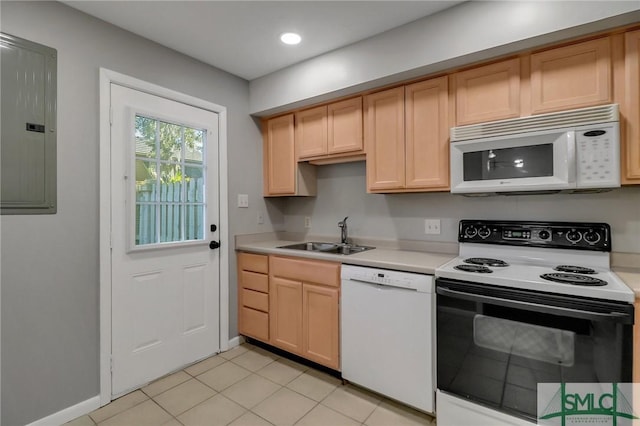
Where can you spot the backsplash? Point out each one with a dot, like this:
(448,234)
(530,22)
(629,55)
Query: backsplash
(342,192)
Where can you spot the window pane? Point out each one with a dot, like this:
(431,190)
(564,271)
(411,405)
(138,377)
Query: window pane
(193,222)
(170,182)
(170,215)
(145,136)
(193,145)
(170,142)
(145,224)
(194,181)
(146,182)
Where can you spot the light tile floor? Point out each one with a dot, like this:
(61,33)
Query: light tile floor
(249,386)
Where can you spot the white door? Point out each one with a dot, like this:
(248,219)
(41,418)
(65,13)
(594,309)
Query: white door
(164,201)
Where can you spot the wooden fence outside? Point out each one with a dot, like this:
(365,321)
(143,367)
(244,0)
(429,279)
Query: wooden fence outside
(159,219)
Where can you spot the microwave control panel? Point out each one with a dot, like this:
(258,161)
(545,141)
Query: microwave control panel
(597,156)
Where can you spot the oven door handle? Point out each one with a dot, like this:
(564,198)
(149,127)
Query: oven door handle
(557,310)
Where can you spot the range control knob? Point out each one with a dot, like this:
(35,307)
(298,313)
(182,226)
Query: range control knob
(484,232)
(470,231)
(573,236)
(544,234)
(591,236)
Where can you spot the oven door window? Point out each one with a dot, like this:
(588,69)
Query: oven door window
(496,355)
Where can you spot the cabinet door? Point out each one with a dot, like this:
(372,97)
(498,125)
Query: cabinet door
(285,314)
(279,156)
(427,134)
(631,139)
(311,132)
(488,93)
(571,77)
(384,139)
(321,328)
(345,126)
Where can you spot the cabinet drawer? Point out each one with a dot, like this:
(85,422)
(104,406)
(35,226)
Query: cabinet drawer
(255,323)
(254,262)
(310,271)
(254,281)
(255,300)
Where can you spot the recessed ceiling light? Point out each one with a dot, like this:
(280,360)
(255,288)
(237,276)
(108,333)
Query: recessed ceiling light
(290,38)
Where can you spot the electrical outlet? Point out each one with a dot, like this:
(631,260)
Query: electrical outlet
(307,221)
(432,226)
(260,218)
(243,200)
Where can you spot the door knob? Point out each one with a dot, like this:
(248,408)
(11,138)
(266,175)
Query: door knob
(214,245)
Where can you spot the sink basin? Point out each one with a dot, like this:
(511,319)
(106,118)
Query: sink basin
(335,248)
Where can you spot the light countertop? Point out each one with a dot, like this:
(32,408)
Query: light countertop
(386,258)
(404,256)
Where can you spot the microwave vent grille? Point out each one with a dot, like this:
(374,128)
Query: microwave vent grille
(534,123)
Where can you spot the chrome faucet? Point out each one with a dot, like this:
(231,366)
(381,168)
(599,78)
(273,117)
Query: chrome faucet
(343,230)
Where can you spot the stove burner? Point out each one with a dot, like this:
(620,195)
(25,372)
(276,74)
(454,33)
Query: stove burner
(485,261)
(574,269)
(473,268)
(574,279)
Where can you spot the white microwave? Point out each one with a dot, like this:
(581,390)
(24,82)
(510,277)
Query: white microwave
(570,151)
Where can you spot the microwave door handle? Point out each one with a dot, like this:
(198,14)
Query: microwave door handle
(576,313)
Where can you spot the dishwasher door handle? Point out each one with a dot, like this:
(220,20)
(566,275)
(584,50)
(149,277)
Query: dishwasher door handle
(380,285)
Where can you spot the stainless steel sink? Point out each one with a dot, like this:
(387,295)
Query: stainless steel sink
(335,248)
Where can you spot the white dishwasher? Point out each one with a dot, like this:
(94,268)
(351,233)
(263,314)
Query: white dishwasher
(388,333)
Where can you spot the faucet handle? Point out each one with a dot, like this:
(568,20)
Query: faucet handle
(343,222)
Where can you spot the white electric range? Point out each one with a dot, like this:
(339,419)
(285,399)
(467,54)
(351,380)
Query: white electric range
(526,303)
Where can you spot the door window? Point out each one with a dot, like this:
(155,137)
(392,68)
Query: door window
(169,182)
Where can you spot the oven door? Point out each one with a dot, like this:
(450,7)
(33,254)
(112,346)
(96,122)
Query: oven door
(495,344)
(535,161)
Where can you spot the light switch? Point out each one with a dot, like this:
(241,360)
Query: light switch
(243,200)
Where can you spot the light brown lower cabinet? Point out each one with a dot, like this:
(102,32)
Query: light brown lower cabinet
(253,295)
(286,314)
(320,318)
(304,315)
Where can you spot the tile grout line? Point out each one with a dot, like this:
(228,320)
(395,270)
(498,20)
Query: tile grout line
(119,412)
(163,409)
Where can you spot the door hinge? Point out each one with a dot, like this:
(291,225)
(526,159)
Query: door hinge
(110,115)
(111,364)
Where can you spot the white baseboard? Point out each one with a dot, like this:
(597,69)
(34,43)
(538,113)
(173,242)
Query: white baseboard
(85,407)
(236,341)
(70,413)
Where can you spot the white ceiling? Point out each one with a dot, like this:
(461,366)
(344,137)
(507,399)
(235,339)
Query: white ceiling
(242,37)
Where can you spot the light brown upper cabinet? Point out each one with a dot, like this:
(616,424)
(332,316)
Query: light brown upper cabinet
(384,139)
(282,173)
(630,149)
(311,132)
(487,93)
(569,77)
(328,131)
(406,135)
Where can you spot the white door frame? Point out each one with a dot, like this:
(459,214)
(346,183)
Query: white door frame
(106,78)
